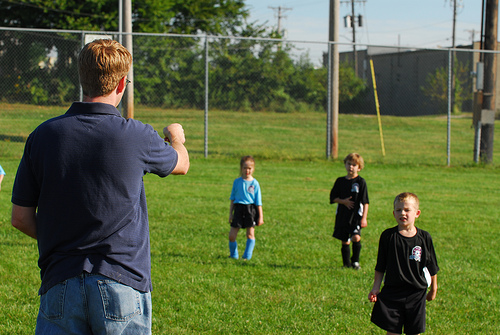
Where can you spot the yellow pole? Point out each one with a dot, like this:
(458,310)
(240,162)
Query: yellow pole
(378,108)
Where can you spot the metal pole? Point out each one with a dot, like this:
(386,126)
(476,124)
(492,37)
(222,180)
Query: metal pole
(120,21)
(377,106)
(206,96)
(450,57)
(128,109)
(120,36)
(82,45)
(453,57)
(329,106)
(477,143)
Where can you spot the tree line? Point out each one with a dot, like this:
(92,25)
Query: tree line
(244,73)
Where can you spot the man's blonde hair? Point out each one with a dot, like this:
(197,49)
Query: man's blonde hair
(356,159)
(101,65)
(407,196)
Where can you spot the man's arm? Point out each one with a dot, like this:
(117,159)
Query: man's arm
(24,219)
(175,135)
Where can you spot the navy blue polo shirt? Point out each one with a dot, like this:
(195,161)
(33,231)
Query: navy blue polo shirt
(84,172)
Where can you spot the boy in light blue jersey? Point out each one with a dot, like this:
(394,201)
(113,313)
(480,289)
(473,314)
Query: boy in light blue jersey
(245,210)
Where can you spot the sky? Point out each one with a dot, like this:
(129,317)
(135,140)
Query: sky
(407,23)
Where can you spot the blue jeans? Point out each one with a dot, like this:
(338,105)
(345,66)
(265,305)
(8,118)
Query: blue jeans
(94,304)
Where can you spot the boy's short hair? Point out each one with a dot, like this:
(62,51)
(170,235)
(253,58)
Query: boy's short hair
(356,159)
(407,196)
(246,158)
(101,65)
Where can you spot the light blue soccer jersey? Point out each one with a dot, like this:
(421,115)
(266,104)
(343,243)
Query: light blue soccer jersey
(246,192)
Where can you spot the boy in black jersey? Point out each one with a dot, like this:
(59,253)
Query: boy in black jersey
(351,194)
(407,258)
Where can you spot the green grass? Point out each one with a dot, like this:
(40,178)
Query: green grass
(295,283)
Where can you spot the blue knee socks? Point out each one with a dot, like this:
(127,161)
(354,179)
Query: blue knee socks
(233,250)
(249,249)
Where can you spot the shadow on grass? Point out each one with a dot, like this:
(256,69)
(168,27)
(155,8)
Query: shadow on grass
(289,266)
(9,138)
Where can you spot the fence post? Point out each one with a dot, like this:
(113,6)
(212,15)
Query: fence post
(128,97)
(450,91)
(477,142)
(206,96)
(81,47)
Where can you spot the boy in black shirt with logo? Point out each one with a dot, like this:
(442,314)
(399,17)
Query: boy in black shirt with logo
(351,194)
(407,258)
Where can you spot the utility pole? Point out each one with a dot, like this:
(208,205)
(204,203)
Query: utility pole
(350,22)
(490,70)
(354,53)
(333,80)
(280,15)
(472,35)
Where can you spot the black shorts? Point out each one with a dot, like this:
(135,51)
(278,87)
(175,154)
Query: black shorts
(245,216)
(344,232)
(397,308)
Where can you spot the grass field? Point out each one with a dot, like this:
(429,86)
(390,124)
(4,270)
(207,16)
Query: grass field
(294,284)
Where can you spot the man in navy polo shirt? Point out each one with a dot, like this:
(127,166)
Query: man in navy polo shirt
(79,191)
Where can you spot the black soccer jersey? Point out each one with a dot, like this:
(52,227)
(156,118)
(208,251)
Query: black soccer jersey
(403,259)
(357,190)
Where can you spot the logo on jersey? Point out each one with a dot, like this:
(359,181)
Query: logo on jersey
(416,253)
(251,189)
(356,230)
(355,188)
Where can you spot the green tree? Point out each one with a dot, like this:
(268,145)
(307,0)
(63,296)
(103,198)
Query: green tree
(436,87)
(257,74)
(156,16)
(350,85)
(309,84)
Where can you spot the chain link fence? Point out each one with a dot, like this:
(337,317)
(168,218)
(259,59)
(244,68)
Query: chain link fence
(39,67)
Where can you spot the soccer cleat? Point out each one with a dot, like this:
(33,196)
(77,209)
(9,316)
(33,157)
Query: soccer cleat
(356,266)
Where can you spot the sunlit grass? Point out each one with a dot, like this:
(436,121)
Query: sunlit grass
(295,282)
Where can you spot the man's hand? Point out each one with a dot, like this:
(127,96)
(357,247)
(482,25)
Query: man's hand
(174,133)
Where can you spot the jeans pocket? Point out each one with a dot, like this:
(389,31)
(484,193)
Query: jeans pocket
(120,302)
(52,302)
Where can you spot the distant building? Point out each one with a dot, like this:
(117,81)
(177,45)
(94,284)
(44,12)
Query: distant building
(401,74)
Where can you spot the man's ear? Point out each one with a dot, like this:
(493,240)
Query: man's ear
(122,84)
